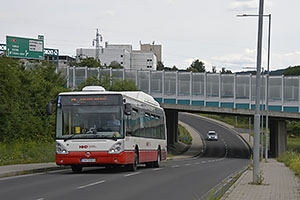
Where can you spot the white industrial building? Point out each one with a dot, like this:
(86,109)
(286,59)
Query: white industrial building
(123,54)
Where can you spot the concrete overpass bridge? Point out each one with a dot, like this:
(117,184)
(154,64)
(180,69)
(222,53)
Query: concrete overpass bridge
(232,94)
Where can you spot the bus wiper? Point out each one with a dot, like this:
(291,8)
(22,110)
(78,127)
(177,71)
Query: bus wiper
(68,138)
(105,137)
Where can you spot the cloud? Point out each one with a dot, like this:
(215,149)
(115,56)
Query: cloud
(109,13)
(247,58)
(170,2)
(235,62)
(243,5)
(106,14)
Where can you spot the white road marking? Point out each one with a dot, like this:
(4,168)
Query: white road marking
(91,184)
(175,166)
(132,174)
(203,162)
(156,169)
(41,199)
(187,164)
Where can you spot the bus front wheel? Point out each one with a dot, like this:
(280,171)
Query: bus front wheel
(133,166)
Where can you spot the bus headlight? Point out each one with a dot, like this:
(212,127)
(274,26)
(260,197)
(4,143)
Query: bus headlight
(60,149)
(116,148)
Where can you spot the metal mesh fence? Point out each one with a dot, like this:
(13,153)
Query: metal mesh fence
(227,86)
(156,82)
(291,89)
(212,85)
(184,84)
(275,89)
(143,81)
(242,87)
(169,83)
(198,84)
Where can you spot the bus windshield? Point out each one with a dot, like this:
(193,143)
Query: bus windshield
(84,121)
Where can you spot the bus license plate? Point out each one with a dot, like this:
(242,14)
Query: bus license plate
(88,160)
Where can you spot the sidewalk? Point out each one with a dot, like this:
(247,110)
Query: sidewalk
(13,170)
(279,183)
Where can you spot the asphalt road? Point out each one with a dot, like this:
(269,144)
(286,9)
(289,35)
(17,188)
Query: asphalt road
(178,179)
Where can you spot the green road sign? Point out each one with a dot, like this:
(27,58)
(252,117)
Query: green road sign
(25,47)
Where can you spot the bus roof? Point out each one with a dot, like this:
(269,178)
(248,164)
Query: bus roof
(136,95)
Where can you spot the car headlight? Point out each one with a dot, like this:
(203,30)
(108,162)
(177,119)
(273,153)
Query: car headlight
(116,148)
(60,149)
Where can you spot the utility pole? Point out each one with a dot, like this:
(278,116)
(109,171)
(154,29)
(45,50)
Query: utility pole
(98,39)
(256,170)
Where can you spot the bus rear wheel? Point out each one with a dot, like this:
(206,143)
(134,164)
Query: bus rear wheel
(76,168)
(157,162)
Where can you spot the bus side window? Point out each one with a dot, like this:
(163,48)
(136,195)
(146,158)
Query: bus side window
(162,128)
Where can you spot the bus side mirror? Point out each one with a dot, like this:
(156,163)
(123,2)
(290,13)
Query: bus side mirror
(49,108)
(127,109)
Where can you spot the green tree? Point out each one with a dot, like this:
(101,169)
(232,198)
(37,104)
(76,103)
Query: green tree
(224,71)
(160,66)
(109,84)
(293,128)
(174,68)
(115,65)
(214,69)
(24,94)
(87,62)
(292,71)
(197,66)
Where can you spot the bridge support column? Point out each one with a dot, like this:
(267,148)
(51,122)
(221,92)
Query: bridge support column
(172,127)
(278,137)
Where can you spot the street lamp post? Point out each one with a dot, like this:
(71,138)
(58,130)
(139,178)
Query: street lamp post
(256,171)
(268,75)
(267,99)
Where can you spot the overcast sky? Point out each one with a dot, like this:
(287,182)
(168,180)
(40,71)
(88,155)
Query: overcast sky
(187,29)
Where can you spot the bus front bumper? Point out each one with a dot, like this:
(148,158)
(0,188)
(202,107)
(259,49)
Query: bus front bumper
(90,158)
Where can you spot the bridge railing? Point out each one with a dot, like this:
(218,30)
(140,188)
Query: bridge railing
(204,89)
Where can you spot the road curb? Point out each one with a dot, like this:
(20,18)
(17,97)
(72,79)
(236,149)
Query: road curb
(226,186)
(32,171)
(236,182)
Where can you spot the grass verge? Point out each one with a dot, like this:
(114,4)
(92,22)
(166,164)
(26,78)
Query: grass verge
(292,160)
(27,152)
(183,135)
(239,122)
(293,144)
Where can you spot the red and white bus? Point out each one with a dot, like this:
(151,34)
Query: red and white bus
(97,127)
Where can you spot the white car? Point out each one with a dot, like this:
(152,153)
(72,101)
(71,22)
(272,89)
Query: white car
(212,135)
